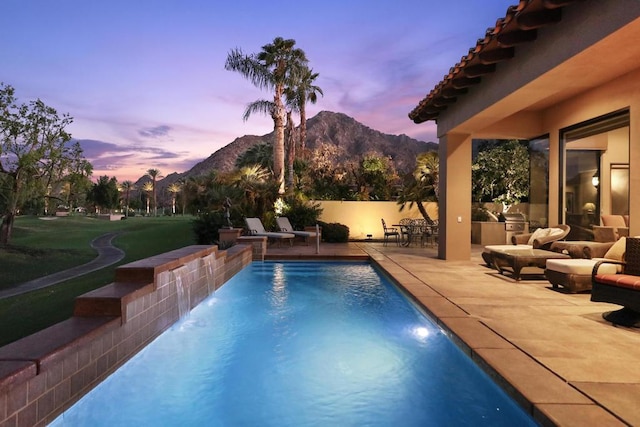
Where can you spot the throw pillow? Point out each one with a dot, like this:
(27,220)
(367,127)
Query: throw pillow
(555,232)
(538,234)
(616,252)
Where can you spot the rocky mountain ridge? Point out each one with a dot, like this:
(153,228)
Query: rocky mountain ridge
(350,138)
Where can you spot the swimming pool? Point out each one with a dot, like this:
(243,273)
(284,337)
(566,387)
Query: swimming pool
(300,344)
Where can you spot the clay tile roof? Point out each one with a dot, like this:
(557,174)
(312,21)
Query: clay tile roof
(518,26)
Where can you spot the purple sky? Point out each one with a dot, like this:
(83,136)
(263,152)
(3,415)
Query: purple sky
(145,80)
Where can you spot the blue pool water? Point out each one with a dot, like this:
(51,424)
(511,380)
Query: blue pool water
(300,344)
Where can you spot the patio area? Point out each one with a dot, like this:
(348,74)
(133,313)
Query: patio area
(556,353)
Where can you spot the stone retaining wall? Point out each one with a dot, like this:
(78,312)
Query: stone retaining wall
(45,373)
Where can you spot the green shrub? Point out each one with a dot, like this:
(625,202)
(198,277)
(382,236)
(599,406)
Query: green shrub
(334,232)
(302,214)
(206,227)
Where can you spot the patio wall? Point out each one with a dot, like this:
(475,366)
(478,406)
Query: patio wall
(45,373)
(364,217)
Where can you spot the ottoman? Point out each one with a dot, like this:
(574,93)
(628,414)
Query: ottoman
(574,274)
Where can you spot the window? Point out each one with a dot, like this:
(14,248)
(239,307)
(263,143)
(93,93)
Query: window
(594,157)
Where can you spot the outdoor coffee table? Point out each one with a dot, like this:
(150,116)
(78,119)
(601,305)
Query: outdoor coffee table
(518,258)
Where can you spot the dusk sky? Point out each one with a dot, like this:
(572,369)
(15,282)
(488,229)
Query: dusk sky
(145,81)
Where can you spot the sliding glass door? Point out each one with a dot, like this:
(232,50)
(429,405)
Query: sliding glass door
(595,159)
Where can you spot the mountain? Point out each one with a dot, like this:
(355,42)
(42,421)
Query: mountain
(349,138)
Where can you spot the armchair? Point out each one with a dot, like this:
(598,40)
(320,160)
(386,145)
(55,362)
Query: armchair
(621,288)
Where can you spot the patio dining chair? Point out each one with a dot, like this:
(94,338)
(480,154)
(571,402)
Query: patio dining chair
(390,232)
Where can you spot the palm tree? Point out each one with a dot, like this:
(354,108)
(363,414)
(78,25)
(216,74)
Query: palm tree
(291,150)
(428,170)
(174,189)
(259,154)
(274,68)
(304,90)
(148,188)
(154,174)
(422,185)
(127,187)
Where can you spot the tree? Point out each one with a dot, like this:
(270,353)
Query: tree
(78,181)
(374,177)
(302,91)
(501,173)
(174,189)
(105,194)
(290,144)
(421,186)
(154,174)
(127,187)
(34,152)
(260,154)
(275,68)
(147,187)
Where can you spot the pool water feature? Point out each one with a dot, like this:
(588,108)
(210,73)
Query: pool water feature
(298,344)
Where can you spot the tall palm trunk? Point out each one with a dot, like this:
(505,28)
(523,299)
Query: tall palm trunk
(278,145)
(424,213)
(291,150)
(303,130)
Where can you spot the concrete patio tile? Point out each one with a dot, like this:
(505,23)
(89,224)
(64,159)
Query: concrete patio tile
(578,415)
(591,369)
(534,382)
(474,333)
(620,397)
(441,307)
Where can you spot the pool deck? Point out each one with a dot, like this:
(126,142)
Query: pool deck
(559,358)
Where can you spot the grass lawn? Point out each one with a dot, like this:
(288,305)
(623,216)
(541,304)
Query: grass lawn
(41,247)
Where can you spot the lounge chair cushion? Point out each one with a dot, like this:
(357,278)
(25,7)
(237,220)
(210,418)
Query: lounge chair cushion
(627,281)
(490,248)
(544,232)
(581,266)
(257,229)
(285,227)
(616,252)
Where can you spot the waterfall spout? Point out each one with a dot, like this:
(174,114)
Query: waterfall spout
(209,264)
(183,291)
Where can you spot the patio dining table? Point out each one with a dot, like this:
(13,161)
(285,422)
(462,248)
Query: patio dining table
(417,229)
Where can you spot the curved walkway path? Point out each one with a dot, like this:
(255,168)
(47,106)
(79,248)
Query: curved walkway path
(107,255)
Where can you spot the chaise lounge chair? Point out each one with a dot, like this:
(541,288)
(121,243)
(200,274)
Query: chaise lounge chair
(255,228)
(284,225)
(542,238)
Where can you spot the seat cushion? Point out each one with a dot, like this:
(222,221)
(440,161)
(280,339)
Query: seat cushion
(626,281)
(616,252)
(490,248)
(580,266)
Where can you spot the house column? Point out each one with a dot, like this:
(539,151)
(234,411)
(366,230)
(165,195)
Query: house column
(634,167)
(454,198)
